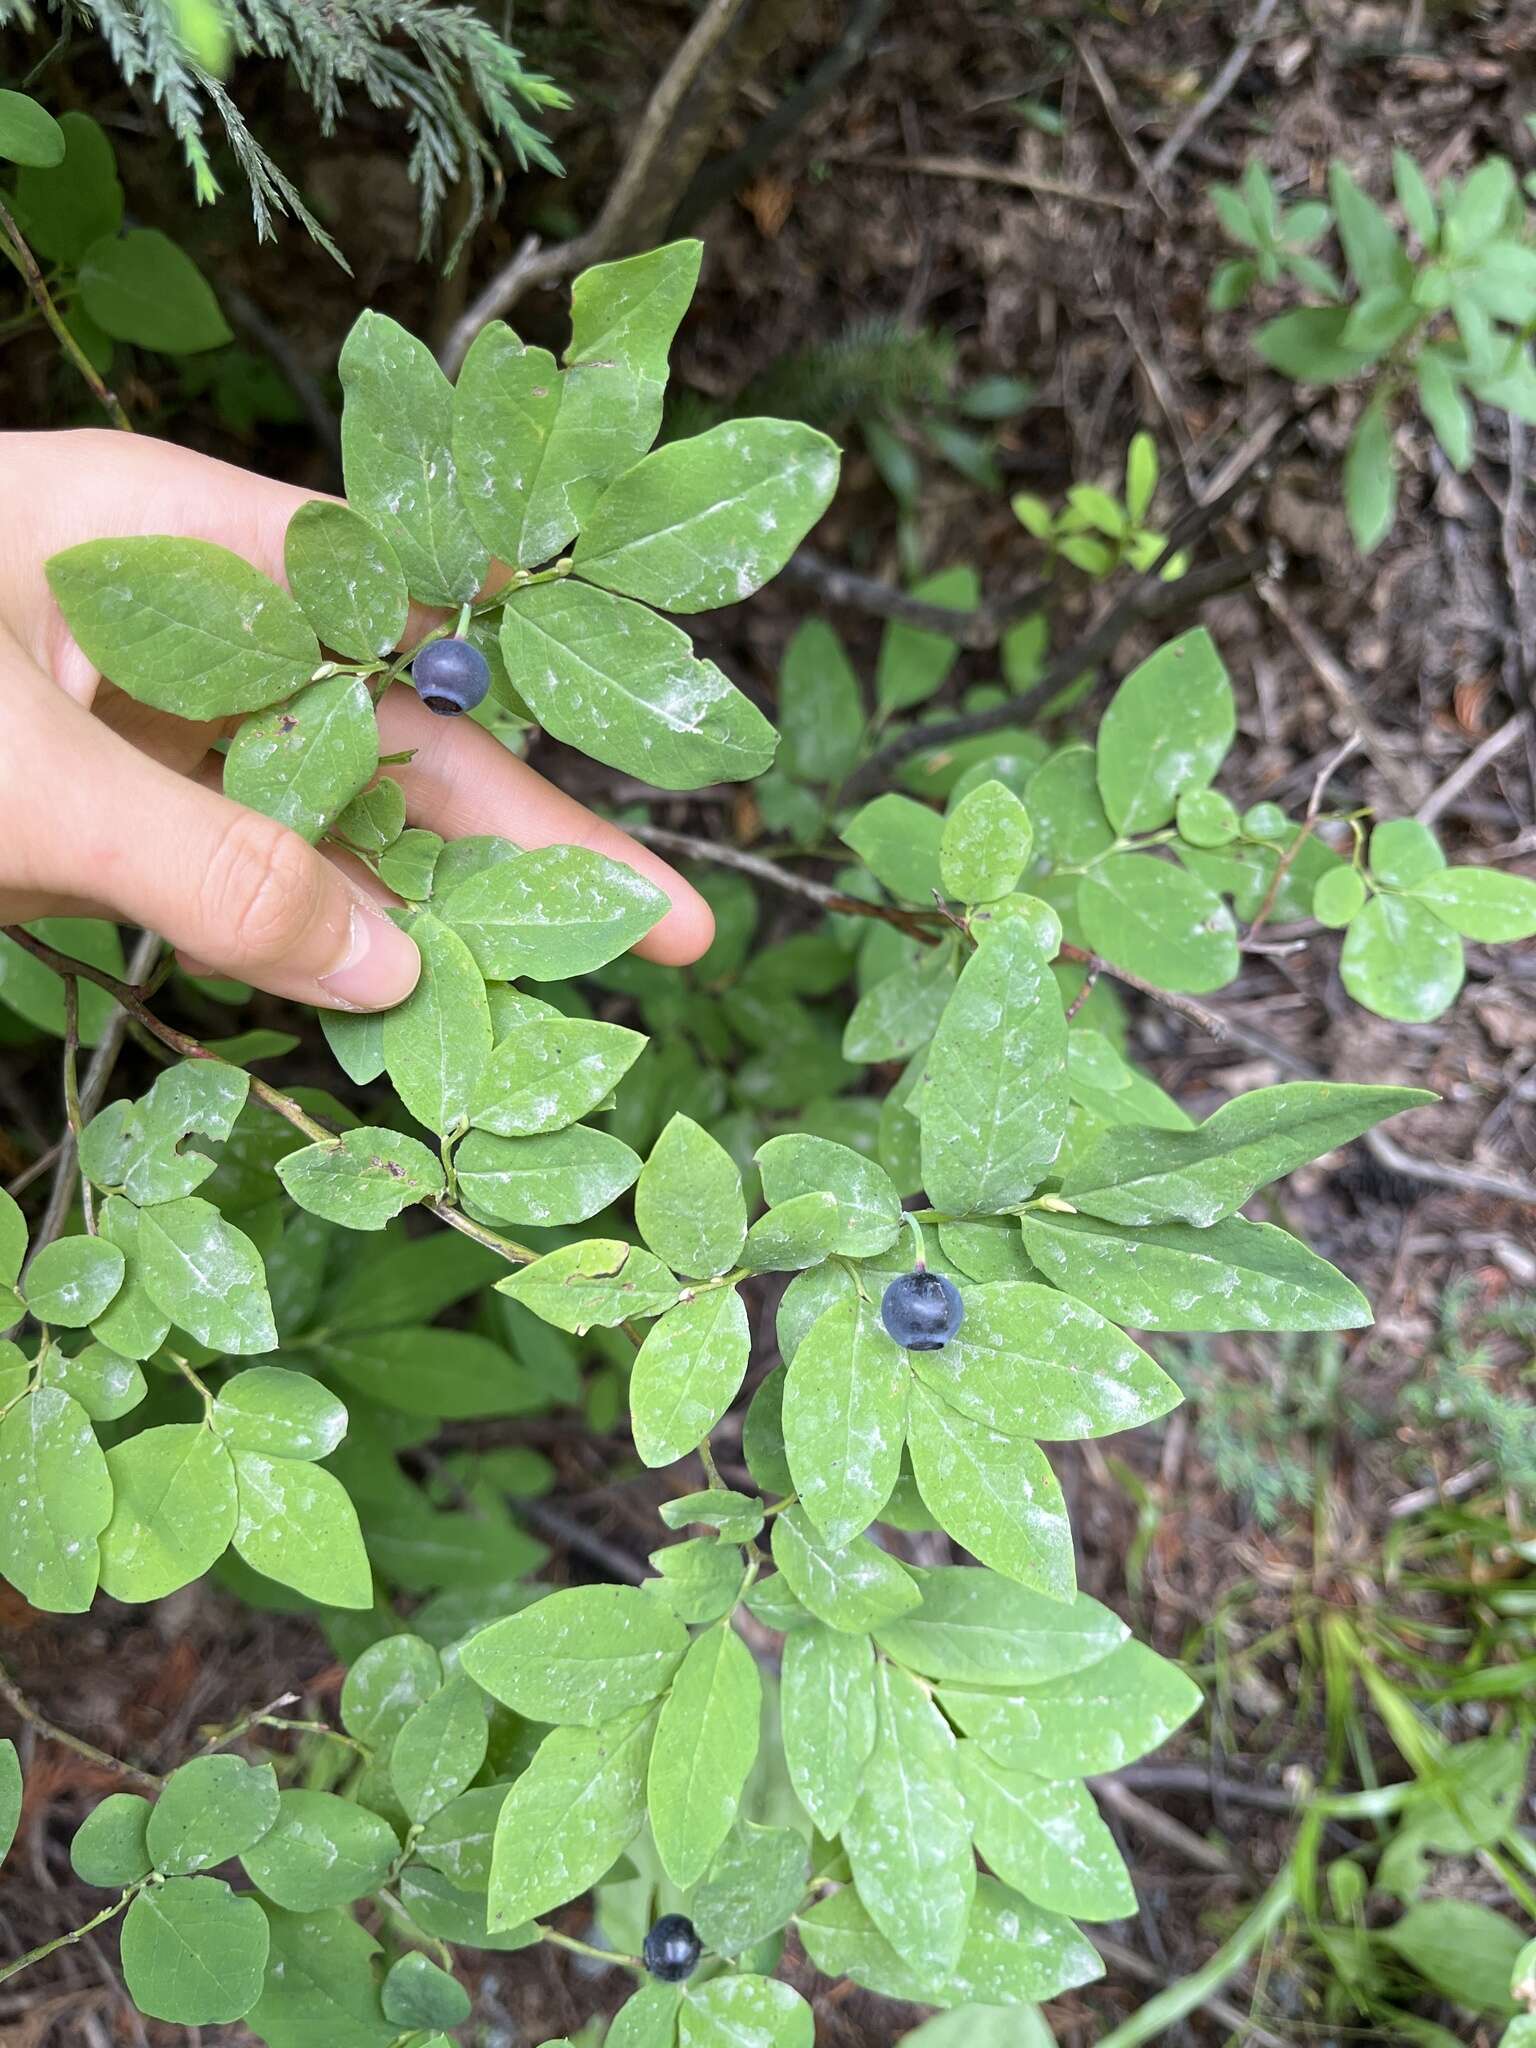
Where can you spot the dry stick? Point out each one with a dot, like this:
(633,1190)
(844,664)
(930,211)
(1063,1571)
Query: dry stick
(977,170)
(1325,775)
(20,1705)
(1109,99)
(1344,690)
(1468,770)
(1162,1827)
(981,628)
(14,247)
(1218,89)
(531,265)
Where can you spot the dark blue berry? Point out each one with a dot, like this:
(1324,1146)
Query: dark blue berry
(672,1948)
(922,1310)
(451,676)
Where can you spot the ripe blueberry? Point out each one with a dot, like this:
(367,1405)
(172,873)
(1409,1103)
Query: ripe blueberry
(451,676)
(672,1948)
(922,1310)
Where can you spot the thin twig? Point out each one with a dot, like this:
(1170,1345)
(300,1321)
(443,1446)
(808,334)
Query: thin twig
(1119,1957)
(1109,99)
(1343,689)
(72,1116)
(1325,775)
(20,1705)
(550,1522)
(547,266)
(1218,89)
(981,628)
(1467,771)
(267,335)
(1162,1827)
(976,170)
(13,246)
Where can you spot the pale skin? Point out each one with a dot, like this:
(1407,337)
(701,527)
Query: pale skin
(109,809)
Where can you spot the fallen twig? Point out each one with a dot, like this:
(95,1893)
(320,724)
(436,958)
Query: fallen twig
(1220,86)
(981,628)
(976,170)
(21,1706)
(1467,771)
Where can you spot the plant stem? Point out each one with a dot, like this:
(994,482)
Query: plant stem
(1155,2020)
(36,1955)
(585,1948)
(72,1091)
(14,248)
(19,1704)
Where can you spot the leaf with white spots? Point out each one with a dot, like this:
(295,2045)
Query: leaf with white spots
(183,625)
(551,913)
(303,762)
(854,1586)
(827,1719)
(73,1281)
(347,579)
(286,1414)
(212,1808)
(687,1373)
(136,1148)
(582,1656)
(193,1953)
(58,1499)
(845,1418)
(570,1816)
(706,1744)
(439,1749)
(1045,1838)
(320,1851)
(562,1177)
(908,1836)
(205,1275)
(995,1494)
(297,1525)
(976,1627)
(547,1073)
(689,1202)
(743,2011)
(362,1179)
(437,1041)
(868,1206)
(173,1510)
(1085,1722)
(598,1283)
(1167,729)
(626,687)
(1030,1361)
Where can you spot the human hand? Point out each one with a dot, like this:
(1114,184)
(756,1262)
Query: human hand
(111,809)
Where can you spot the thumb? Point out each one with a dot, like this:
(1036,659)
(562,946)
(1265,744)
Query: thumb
(241,894)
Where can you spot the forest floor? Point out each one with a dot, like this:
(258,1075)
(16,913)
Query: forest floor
(986,174)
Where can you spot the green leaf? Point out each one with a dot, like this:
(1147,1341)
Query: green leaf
(868,1206)
(601,1281)
(737,1516)
(303,762)
(1013,1952)
(754,1885)
(800,1232)
(731,2012)
(396,431)
(458,1841)
(995,1494)
(820,709)
(297,1525)
(63,216)
(900,1013)
(363,1179)
(1307,345)
(629,311)
(35,992)
(1404,853)
(450,1374)
(1045,1839)
(141,287)
(1028,1360)
(10,1797)
(1153,919)
(54,1479)
(136,1146)
(73,1280)
(1168,728)
(827,1720)
(439,1749)
(417,1993)
(563,1177)
(1206,818)
(1401,961)
(706,522)
(373,820)
(1136,1176)
(321,1851)
(974,1627)
(1481,903)
(986,844)
(347,580)
(321,1989)
(109,1848)
(28,133)
(571,1814)
(286,1414)
(993,1100)
(385,1685)
(1466,1951)
(173,1510)
(437,1041)
(1089,1721)
(854,1587)
(183,625)
(536,445)
(13,1239)
(193,1953)
(689,1203)
(211,1809)
(706,1743)
(205,1275)
(1232,1275)
(699,1579)
(914,661)
(687,1373)
(578,1657)
(545,1074)
(845,1412)
(1371,248)
(908,1838)
(1370,477)
(625,686)
(1338,896)
(898,840)
(550,914)
(410,865)
(1445,407)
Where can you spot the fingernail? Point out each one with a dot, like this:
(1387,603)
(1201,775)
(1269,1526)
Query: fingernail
(381,966)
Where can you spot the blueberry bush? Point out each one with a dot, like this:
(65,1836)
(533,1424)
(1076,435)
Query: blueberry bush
(236,1366)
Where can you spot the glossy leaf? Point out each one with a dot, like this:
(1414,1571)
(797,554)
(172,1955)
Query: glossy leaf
(1167,730)
(1400,960)
(286,1414)
(827,1720)
(206,1275)
(173,1510)
(73,1280)
(868,1206)
(995,1494)
(320,1851)
(545,1074)
(562,1177)
(845,1413)
(304,761)
(297,1525)
(109,1847)
(1481,903)
(753,1887)
(193,1953)
(54,1478)
(210,1809)
(439,1749)
(364,1179)
(1046,1839)
(986,845)
(576,1808)
(601,1282)
(689,1203)
(347,580)
(686,1374)
(706,1743)
(732,2011)
(1086,1722)
(438,1040)
(854,1586)
(581,1657)
(977,1628)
